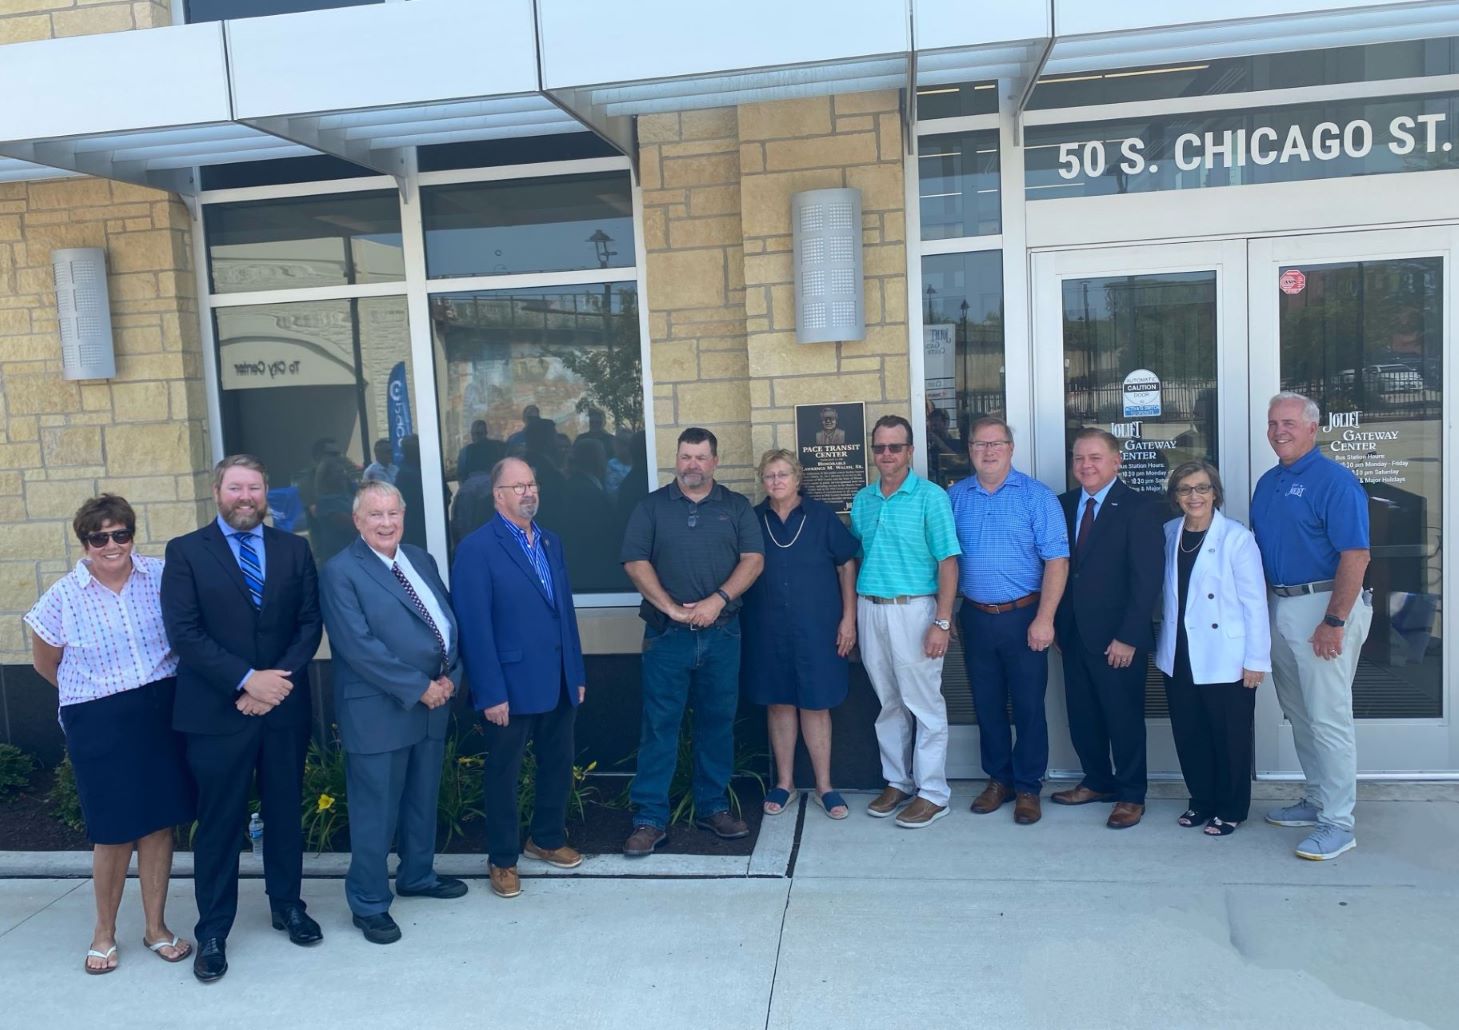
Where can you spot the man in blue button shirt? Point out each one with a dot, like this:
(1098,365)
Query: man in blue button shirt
(1011,574)
(1310,516)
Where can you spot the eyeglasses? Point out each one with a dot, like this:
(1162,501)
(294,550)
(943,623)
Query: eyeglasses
(990,445)
(771,477)
(1199,488)
(116,536)
(518,488)
(889,448)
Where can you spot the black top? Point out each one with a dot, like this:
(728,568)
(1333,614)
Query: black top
(1185,560)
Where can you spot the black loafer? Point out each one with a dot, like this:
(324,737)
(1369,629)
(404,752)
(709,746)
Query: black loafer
(302,929)
(378,929)
(444,887)
(211,961)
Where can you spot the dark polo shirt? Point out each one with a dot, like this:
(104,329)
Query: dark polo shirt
(692,547)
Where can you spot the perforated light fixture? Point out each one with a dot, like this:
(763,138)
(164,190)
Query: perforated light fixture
(826,233)
(84,314)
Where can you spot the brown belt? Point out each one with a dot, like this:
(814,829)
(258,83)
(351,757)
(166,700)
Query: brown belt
(1007,606)
(903,599)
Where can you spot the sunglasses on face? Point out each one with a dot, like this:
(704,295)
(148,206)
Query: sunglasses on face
(889,448)
(116,536)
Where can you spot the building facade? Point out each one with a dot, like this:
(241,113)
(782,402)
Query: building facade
(490,228)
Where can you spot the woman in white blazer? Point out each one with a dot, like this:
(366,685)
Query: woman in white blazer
(1214,647)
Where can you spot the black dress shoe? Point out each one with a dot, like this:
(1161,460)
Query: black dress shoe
(302,929)
(211,961)
(378,929)
(444,887)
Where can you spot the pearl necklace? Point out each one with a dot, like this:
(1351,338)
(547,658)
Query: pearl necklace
(777,543)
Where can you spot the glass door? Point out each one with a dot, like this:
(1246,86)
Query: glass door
(1360,322)
(1148,343)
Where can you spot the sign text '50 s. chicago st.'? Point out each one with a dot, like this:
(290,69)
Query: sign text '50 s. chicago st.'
(1238,148)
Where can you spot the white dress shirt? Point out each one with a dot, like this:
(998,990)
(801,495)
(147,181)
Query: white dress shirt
(423,591)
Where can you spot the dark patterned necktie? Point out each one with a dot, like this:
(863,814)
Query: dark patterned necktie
(424,612)
(1085,525)
(248,563)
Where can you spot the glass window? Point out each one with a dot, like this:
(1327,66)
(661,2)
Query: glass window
(218,10)
(956,99)
(551,375)
(321,391)
(339,240)
(528,225)
(958,185)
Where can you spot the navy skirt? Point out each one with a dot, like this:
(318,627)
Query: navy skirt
(131,772)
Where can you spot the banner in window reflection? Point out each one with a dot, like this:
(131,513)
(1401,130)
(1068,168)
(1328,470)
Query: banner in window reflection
(551,375)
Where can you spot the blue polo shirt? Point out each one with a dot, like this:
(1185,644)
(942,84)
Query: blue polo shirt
(1006,536)
(903,537)
(1304,515)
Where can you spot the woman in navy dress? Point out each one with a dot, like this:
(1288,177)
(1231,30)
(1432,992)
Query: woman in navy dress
(799,624)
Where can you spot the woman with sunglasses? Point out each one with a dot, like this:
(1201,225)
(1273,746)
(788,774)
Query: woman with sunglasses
(1214,647)
(97,636)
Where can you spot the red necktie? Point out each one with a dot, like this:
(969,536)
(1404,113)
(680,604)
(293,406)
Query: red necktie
(1085,525)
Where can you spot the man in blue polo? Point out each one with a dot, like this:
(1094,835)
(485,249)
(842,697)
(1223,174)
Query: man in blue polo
(1011,574)
(1310,516)
(907,585)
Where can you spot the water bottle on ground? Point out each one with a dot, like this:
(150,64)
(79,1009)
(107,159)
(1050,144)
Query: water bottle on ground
(255,833)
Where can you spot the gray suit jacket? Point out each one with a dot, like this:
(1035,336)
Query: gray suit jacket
(384,653)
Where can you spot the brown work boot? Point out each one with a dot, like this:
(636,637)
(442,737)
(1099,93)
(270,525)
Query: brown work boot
(1080,795)
(643,840)
(724,826)
(1125,815)
(1027,810)
(920,813)
(562,858)
(993,797)
(887,802)
(504,882)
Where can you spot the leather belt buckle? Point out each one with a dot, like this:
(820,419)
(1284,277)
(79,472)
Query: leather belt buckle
(1303,589)
(1006,606)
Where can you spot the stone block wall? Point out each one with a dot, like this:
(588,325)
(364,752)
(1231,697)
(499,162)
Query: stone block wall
(24,20)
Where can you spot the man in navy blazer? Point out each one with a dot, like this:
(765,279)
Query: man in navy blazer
(396,664)
(1104,626)
(240,601)
(524,664)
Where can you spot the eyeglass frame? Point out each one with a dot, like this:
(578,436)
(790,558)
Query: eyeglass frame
(520,489)
(110,536)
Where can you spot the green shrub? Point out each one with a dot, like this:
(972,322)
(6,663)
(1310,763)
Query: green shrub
(460,797)
(578,794)
(64,798)
(16,768)
(747,764)
(326,809)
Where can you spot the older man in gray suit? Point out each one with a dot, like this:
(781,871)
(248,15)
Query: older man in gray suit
(396,667)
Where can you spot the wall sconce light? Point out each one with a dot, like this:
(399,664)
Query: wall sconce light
(83,311)
(826,239)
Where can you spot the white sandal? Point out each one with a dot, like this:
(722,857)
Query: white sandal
(105,956)
(184,948)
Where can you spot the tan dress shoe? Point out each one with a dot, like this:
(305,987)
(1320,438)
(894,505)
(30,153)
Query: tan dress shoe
(1080,795)
(920,813)
(993,797)
(1027,810)
(504,882)
(1125,815)
(561,858)
(887,802)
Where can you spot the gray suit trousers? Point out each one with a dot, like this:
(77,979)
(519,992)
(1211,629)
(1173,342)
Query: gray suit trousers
(393,799)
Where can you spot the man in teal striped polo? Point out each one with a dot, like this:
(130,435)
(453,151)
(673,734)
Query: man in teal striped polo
(907,585)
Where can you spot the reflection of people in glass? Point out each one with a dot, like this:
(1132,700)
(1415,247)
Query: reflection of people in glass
(1200,440)
(942,453)
(408,482)
(480,454)
(1214,647)
(540,451)
(517,442)
(620,462)
(382,469)
(588,518)
(304,479)
(634,487)
(596,431)
(332,528)
(473,503)
(830,434)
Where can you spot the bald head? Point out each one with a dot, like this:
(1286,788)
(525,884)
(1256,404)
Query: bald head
(514,491)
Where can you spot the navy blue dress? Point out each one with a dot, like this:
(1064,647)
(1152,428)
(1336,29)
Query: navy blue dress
(791,614)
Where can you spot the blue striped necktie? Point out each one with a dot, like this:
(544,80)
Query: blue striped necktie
(248,562)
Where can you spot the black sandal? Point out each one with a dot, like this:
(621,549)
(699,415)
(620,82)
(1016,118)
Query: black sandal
(1219,827)
(1193,817)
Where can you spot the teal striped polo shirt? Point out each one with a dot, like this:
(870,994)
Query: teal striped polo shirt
(903,537)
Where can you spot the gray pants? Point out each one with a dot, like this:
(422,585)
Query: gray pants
(1316,695)
(393,798)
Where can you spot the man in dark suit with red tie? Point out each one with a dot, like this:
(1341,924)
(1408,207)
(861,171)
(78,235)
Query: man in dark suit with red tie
(240,601)
(1104,626)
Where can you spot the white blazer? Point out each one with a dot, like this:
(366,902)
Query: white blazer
(1226,624)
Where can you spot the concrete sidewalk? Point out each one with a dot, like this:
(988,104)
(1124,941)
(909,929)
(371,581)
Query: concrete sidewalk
(973,922)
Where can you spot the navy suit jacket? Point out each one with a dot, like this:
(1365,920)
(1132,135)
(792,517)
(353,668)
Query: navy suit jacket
(1114,580)
(384,653)
(519,646)
(219,636)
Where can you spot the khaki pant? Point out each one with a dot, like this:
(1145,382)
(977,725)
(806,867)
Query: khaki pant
(911,730)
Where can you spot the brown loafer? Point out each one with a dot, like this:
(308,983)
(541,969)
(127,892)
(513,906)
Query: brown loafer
(643,840)
(561,858)
(1125,815)
(1027,810)
(1080,795)
(504,882)
(993,798)
(920,813)
(724,826)
(887,802)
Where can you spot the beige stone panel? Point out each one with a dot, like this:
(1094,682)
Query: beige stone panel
(777,354)
(89,21)
(662,198)
(14,321)
(686,279)
(820,152)
(690,329)
(140,251)
(12,510)
(782,306)
(650,172)
(95,396)
(752,158)
(151,15)
(9,7)
(10,482)
(736,444)
(871,301)
(767,268)
(866,103)
(763,435)
(896,378)
(889,136)
(165,521)
(860,386)
(760,393)
(715,402)
(658,128)
(714,200)
(734,266)
(861,364)
(57,499)
(757,325)
(855,123)
(143,339)
(894,298)
(149,450)
(23,430)
(720,231)
(723,364)
(655,228)
(15,455)
(717,343)
(674,361)
(754,247)
(710,124)
(887,340)
(779,244)
(765,199)
(18,584)
(38,282)
(782,119)
(711,169)
(889,260)
(139,402)
(658,325)
(696,148)
(132,286)
(69,193)
(880,186)
(37,539)
(24,30)
(757,300)
(137,367)
(870,237)
(10,227)
(141,489)
(40,394)
(71,446)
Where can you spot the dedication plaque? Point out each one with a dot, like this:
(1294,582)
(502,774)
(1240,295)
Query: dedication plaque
(830,440)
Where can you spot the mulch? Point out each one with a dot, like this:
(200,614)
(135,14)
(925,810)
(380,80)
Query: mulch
(28,823)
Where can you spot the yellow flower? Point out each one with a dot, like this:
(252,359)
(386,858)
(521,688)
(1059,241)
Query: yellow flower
(325,803)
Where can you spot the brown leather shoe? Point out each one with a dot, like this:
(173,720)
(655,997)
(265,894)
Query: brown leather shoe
(1080,795)
(1125,815)
(993,797)
(643,840)
(1027,810)
(887,802)
(920,813)
(562,858)
(504,882)
(724,826)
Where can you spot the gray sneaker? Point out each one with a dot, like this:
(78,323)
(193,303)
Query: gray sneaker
(1327,841)
(1303,813)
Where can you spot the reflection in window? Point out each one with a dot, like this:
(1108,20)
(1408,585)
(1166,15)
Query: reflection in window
(551,375)
(962,319)
(528,225)
(339,240)
(218,10)
(312,388)
(958,185)
(1365,340)
(957,99)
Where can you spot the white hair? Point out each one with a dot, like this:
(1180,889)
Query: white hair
(376,486)
(1310,412)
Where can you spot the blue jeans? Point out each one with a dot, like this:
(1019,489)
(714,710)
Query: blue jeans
(702,668)
(1002,669)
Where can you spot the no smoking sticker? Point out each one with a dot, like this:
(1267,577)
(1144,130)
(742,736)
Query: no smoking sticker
(1292,281)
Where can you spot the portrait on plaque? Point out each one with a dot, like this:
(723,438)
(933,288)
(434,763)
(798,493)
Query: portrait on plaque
(830,440)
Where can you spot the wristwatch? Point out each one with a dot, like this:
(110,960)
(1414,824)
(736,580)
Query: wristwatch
(943,624)
(1332,620)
